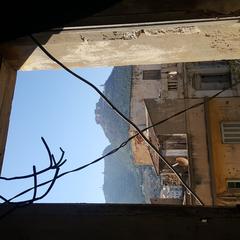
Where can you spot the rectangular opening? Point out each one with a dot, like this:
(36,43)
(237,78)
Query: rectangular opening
(174,145)
(123,181)
(172,81)
(233,184)
(230,132)
(212,81)
(151,74)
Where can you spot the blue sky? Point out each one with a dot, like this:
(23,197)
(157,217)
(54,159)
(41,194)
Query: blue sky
(57,106)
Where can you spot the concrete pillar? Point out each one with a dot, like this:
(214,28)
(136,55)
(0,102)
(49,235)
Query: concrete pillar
(7,85)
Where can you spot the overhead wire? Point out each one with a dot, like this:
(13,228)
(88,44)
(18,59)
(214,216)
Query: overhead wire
(115,109)
(56,165)
(123,144)
(139,132)
(120,114)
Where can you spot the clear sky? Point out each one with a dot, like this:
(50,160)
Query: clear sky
(57,106)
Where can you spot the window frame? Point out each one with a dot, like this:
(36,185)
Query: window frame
(235,182)
(148,73)
(199,85)
(230,131)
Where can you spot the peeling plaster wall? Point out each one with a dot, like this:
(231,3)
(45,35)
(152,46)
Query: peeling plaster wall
(198,150)
(142,89)
(225,157)
(149,89)
(157,44)
(161,102)
(192,123)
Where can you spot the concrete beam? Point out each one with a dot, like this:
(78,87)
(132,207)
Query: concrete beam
(156,44)
(7,85)
(112,221)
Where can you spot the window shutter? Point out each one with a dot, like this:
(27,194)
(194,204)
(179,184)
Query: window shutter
(230,132)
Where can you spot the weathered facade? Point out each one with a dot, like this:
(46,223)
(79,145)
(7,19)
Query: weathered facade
(224,124)
(130,32)
(77,46)
(128,45)
(208,135)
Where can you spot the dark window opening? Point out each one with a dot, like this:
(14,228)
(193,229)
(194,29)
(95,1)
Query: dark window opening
(233,184)
(211,81)
(151,74)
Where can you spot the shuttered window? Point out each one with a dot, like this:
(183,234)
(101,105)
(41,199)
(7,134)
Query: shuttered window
(172,81)
(173,145)
(230,132)
(172,85)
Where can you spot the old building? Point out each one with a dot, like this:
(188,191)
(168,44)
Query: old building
(163,31)
(206,136)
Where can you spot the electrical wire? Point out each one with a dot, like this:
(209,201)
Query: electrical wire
(53,164)
(123,144)
(121,115)
(56,165)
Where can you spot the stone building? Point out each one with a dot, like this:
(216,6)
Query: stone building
(208,135)
(130,32)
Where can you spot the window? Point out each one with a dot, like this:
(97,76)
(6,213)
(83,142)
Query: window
(174,145)
(233,184)
(211,81)
(230,132)
(172,82)
(151,74)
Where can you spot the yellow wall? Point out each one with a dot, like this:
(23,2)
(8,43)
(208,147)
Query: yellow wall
(225,157)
